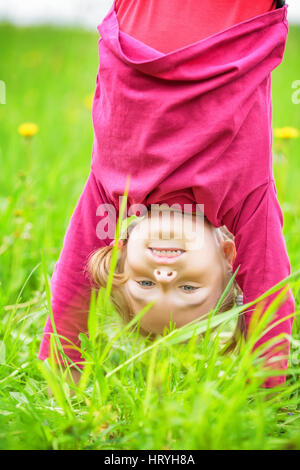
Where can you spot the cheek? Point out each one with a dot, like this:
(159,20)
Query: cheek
(135,263)
(135,252)
(201,263)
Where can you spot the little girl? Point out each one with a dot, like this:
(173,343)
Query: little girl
(182,106)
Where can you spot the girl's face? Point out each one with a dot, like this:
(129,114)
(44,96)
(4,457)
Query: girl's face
(180,267)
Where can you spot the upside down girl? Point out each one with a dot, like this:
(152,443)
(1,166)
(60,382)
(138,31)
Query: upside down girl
(183,107)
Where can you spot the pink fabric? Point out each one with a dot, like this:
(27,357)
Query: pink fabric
(193,125)
(167,25)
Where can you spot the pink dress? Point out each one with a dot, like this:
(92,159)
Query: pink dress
(190,126)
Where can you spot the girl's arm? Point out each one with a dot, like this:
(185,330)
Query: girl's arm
(257,224)
(70,285)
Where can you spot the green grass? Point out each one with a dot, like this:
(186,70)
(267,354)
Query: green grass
(133,394)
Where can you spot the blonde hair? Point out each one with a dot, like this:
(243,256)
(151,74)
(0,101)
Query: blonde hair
(99,267)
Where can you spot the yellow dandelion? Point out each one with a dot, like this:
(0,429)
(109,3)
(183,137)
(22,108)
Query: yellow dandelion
(18,212)
(28,129)
(286,133)
(88,101)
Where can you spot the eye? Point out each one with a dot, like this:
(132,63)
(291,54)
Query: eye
(188,288)
(145,283)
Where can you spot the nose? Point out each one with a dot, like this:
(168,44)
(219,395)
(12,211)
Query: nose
(164,274)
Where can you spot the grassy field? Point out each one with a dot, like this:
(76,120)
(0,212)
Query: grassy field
(132,395)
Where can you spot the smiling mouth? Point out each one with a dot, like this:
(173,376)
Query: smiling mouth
(166,254)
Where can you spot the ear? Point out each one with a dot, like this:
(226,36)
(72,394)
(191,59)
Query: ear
(227,247)
(229,250)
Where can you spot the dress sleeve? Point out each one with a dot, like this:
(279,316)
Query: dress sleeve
(70,285)
(257,222)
